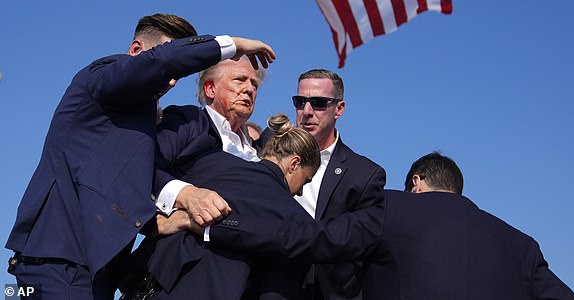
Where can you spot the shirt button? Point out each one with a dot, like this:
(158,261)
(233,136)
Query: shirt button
(138,223)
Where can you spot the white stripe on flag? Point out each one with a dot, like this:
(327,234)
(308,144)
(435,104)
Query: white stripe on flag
(411,7)
(335,22)
(357,11)
(362,20)
(434,5)
(387,14)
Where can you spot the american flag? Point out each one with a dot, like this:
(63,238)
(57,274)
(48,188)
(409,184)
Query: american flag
(355,22)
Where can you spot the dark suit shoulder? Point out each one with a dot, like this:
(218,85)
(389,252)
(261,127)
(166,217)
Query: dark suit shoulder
(360,164)
(189,111)
(354,156)
(108,59)
(175,116)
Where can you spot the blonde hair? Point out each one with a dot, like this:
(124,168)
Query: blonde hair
(216,71)
(288,140)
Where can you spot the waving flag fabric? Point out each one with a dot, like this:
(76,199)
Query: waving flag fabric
(355,22)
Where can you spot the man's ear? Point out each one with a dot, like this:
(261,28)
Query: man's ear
(339,109)
(416,184)
(209,89)
(136,47)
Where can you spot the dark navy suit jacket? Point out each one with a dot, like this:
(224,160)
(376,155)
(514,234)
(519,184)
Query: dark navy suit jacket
(90,193)
(417,246)
(351,182)
(190,150)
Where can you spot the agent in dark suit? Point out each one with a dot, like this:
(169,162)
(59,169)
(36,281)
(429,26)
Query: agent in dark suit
(346,181)
(429,244)
(90,194)
(180,264)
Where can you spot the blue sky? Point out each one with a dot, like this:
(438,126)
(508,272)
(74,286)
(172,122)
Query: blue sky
(491,86)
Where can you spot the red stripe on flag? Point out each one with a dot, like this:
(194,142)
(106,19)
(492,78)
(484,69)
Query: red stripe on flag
(422,6)
(400,12)
(374,17)
(446,6)
(348,19)
(351,28)
(343,54)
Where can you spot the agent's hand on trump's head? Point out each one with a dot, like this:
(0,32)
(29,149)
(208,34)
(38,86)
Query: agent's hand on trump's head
(254,50)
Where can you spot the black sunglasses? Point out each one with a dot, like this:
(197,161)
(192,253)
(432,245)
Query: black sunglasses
(316,102)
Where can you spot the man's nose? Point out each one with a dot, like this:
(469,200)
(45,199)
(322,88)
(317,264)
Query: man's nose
(249,88)
(308,109)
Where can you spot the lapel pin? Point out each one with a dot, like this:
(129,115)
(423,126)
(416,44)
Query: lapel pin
(338,171)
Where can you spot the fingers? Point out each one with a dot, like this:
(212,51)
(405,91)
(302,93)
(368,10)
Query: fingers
(221,207)
(254,50)
(177,221)
(253,61)
(204,206)
(214,209)
(264,61)
(269,54)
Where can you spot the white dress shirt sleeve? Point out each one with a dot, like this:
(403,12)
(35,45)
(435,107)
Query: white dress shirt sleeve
(166,198)
(206,233)
(227,46)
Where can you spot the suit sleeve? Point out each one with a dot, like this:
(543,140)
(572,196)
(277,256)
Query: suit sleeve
(346,237)
(546,285)
(373,190)
(129,80)
(182,136)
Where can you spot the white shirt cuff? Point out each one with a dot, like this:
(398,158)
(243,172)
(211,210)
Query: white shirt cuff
(227,46)
(206,233)
(167,196)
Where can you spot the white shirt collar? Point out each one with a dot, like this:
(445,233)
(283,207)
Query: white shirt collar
(219,120)
(238,145)
(329,150)
(311,190)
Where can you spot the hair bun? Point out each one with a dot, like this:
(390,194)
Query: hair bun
(280,124)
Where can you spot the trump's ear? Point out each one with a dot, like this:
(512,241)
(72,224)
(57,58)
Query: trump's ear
(209,89)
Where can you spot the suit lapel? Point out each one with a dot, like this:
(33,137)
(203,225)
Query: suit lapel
(333,174)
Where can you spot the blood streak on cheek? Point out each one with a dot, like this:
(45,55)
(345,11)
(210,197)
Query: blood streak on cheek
(233,91)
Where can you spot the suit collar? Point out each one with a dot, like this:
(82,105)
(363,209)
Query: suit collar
(276,171)
(340,152)
(213,129)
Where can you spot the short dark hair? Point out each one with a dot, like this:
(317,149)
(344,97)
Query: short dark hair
(338,87)
(171,26)
(439,172)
